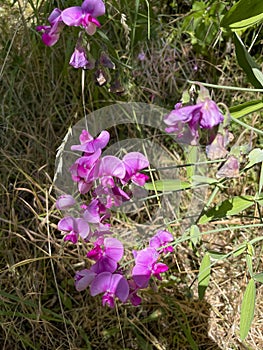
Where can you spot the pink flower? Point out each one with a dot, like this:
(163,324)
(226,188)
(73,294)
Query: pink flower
(205,115)
(160,239)
(52,32)
(74,227)
(89,145)
(84,15)
(83,279)
(112,285)
(146,265)
(65,202)
(134,162)
(106,252)
(79,58)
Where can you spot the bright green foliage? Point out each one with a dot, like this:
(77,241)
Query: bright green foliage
(244,14)
(204,275)
(251,68)
(247,309)
(167,185)
(255,156)
(258,277)
(195,235)
(245,108)
(202,23)
(232,206)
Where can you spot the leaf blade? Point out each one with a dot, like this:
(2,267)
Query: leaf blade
(247,63)
(243,14)
(247,309)
(229,207)
(204,275)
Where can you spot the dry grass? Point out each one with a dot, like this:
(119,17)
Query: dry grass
(40,309)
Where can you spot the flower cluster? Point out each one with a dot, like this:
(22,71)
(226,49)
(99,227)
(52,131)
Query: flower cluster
(205,114)
(85,17)
(105,179)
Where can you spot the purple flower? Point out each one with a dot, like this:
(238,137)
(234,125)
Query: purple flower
(84,15)
(110,166)
(89,145)
(229,169)
(75,227)
(65,202)
(135,161)
(160,239)
(82,171)
(210,115)
(52,32)
(110,196)
(205,115)
(146,265)
(79,58)
(133,297)
(91,212)
(83,279)
(112,285)
(106,252)
(141,56)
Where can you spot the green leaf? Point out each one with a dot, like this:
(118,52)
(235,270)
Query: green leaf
(217,256)
(191,158)
(241,249)
(167,185)
(195,234)
(198,180)
(260,200)
(258,277)
(258,74)
(246,62)
(232,206)
(255,156)
(204,275)
(246,108)
(247,309)
(249,264)
(243,14)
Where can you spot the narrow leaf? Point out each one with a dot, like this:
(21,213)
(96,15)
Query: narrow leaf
(246,108)
(195,234)
(198,180)
(229,207)
(258,277)
(217,256)
(241,249)
(204,275)
(247,63)
(243,14)
(167,185)
(249,264)
(247,309)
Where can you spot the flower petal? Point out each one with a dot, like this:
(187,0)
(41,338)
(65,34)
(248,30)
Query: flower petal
(83,279)
(111,166)
(72,16)
(122,289)
(101,283)
(94,7)
(113,248)
(65,201)
(83,228)
(141,275)
(136,161)
(66,224)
